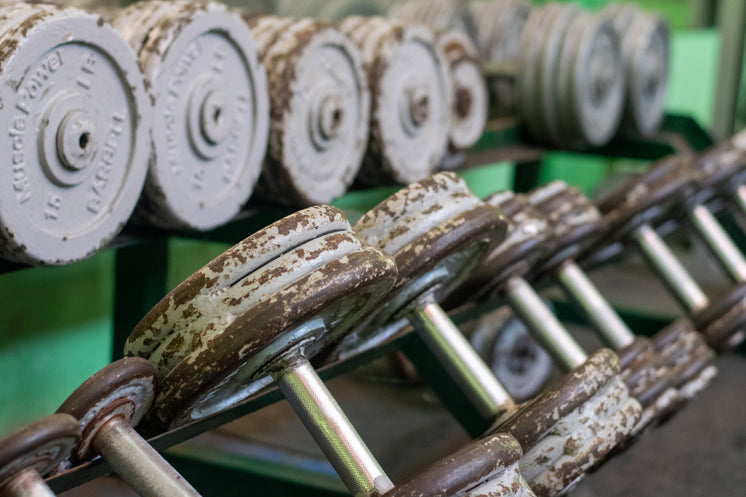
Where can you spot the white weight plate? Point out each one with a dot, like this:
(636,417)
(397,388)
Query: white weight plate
(499,26)
(320,113)
(411,102)
(438,15)
(470,99)
(510,482)
(212,112)
(590,89)
(80,99)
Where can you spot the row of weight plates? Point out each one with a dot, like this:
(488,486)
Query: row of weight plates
(577,78)
(189,103)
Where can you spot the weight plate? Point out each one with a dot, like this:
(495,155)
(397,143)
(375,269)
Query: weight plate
(535,38)
(723,322)
(297,285)
(686,354)
(576,223)
(476,470)
(645,45)
(720,167)
(589,83)
(649,381)
(470,100)
(320,111)
(499,25)
(81,100)
(124,388)
(516,358)
(437,232)
(209,92)
(645,197)
(411,100)
(40,445)
(524,244)
(438,15)
(573,424)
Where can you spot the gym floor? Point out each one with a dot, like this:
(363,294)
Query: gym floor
(700,452)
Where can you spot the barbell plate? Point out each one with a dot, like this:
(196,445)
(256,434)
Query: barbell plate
(77,144)
(212,111)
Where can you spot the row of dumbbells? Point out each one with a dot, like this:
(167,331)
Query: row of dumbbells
(193,101)
(311,286)
(574,78)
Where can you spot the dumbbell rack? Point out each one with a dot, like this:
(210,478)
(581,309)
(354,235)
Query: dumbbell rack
(142,262)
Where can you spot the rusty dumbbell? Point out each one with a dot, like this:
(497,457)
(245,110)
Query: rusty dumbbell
(576,225)
(410,99)
(31,452)
(263,308)
(438,232)
(107,406)
(320,109)
(78,119)
(632,210)
(209,92)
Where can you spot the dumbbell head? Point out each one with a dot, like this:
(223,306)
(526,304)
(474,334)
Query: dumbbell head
(410,99)
(723,322)
(645,197)
(687,355)
(38,446)
(124,389)
(294,286)
(437,231)
(645,40)
(499,25)
(320,113)
(470,99)
(484,467)
(718,167)
(559,444)
(576,223)
(649,381)
(524,245)
(78,121)
(211,123)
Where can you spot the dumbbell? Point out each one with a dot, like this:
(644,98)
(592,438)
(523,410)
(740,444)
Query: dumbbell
(107,406)
(209,92)
(78,121)
(410,99)
(567,75)
(320,109)
(264,307)
(631,210)
(439,15)
(31,452)
(576,225)
(645,40)
(438,231)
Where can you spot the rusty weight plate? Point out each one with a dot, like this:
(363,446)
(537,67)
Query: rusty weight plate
(40,445)
(576,222)
(411,99)
(124,388)
(438,232)
(78,121)
(685,353)
(723,322)
(470,99)
(209,92)
(298,284)
(320,110)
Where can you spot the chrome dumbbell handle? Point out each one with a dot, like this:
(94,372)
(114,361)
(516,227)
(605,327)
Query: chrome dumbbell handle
(330,428)
(138,463)
(460,359)
(720,244)
(544,324)
(599,312)
(674,274)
